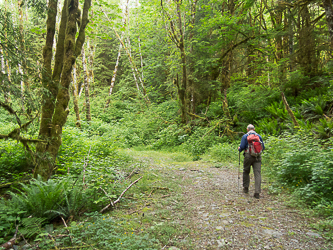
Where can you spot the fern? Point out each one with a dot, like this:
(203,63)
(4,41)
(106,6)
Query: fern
(278,111)
(38,197)
(325,128)
(32,226)
(313,108)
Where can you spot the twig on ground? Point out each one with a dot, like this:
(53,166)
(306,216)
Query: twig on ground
(162,188)
(151,192)
(131,174)
(50,236)
(155,188)
(137,210)
(9,244)
(121,195)
(154,182)
(66,228)
(107,195)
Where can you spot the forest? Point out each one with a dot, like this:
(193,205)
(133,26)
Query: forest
(116,114)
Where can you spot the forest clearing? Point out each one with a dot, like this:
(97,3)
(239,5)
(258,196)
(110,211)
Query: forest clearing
(132,124)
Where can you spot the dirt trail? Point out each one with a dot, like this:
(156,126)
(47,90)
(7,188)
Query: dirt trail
(218,217)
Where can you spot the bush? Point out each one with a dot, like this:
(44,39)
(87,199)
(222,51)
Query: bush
(104,232)
(200,141)
(224,152)
(170,136)
(303,164)
(13,160)
(101,152)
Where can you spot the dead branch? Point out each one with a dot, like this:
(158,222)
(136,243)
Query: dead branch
(9,244)
(12,183)
(151,192)
(162,188)
(107,195)
(10,111)
(137,210)
(66,228)
(196,116)
(121,195)
(50,236)
(156,188)
(131,174)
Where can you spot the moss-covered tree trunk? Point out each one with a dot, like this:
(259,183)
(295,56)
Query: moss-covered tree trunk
(329,18)
(55,103)
(183,86)
(307,45)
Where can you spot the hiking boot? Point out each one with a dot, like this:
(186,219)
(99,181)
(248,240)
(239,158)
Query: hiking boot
(245,190)
(256,195)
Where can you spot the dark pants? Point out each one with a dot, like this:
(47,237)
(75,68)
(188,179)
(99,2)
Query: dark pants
(256,165)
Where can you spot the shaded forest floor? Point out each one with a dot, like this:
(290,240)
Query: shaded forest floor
(196,205)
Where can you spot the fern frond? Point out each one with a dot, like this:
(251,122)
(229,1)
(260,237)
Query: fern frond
(32,226)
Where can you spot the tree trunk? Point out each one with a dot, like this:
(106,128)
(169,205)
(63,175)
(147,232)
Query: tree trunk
(69,48)
(290,112)
(90,63)
(307,48)
(114,76)
(141,60)
(132,63)
(250,57)
(183,86)
(128,46)
(329,19)
(75,102)
(86,78)
(23,65)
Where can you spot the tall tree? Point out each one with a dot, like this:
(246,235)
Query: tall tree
(57,81)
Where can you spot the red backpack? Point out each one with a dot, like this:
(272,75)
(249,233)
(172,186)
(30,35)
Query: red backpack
(255,145)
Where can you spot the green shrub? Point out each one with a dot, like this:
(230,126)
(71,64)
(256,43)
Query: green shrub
(224,152)
(9,218)
(104,232)
(303,164)
(200,141)
(296,167)
(170,136)
(13,160)
(77,146)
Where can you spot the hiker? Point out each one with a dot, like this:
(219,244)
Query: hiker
(253,145)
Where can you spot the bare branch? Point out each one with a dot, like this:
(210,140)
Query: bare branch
(116,201)
(11,111)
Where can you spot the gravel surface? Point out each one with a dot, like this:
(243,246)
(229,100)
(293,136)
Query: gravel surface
(220,217)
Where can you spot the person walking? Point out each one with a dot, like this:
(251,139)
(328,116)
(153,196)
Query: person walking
(251,160)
